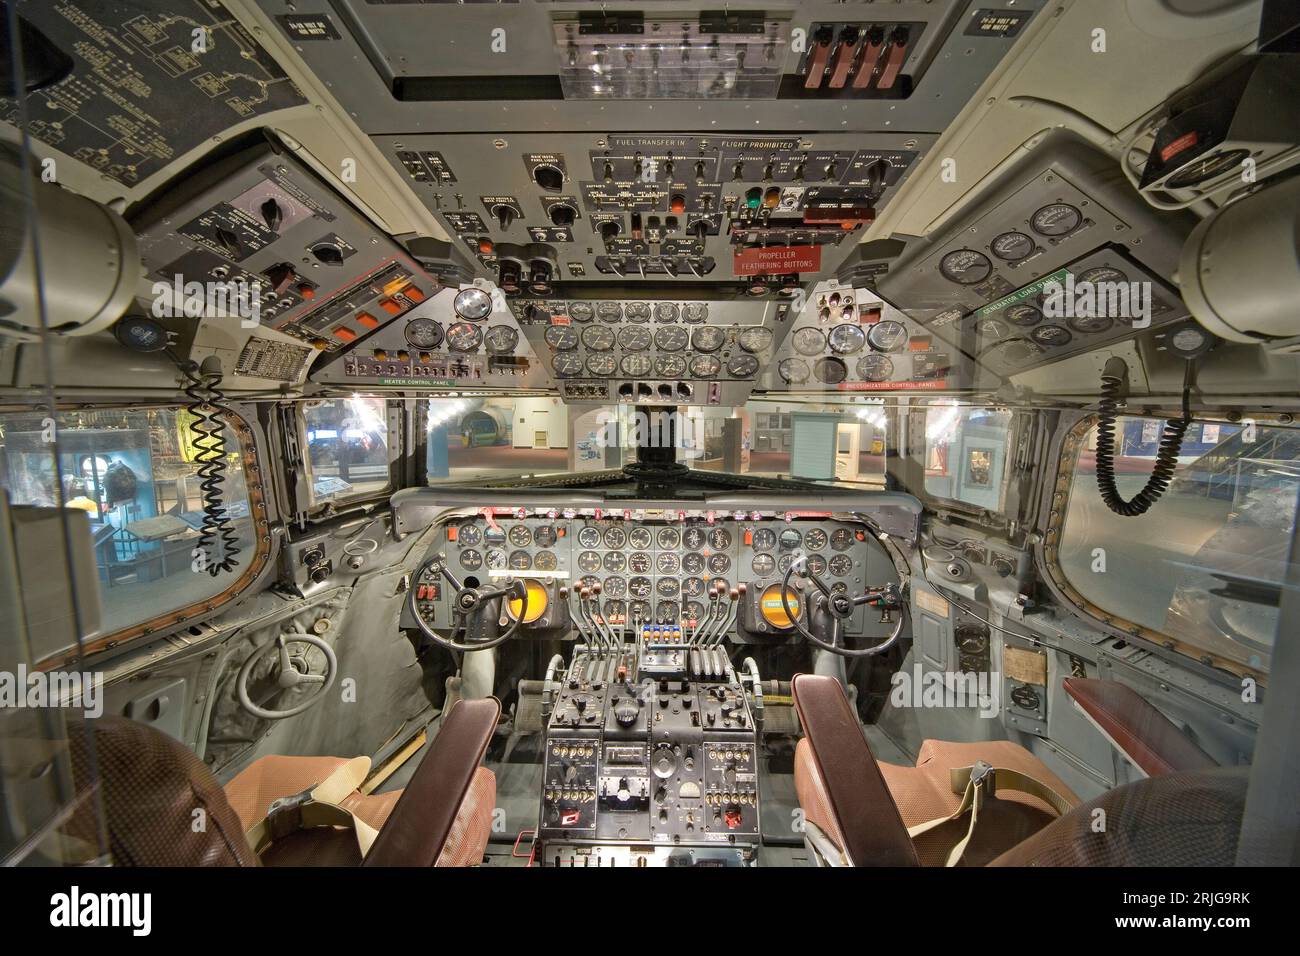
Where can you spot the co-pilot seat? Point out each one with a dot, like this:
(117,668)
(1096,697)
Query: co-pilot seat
(154,789)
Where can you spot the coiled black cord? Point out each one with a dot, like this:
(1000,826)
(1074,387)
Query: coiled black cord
(207,428)
(1113,388)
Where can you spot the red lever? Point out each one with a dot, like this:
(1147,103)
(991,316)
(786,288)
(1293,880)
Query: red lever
(843,63)
(867,60)
(893,63)
(817,67)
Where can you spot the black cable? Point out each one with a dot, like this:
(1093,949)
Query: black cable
(208,430)
(1113,388)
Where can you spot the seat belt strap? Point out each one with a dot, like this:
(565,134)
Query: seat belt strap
(319,806)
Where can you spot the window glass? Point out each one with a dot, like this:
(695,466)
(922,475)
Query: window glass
(347,445)
(966,454)
(135,473)
(1205,564)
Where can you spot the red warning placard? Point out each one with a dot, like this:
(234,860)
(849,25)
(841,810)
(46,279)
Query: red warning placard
(777,260)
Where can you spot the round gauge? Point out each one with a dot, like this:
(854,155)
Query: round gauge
(562,338)
(816,564)
(634,338)
(832,370)
(669,539)
(668,612)
(789,539)
(615,610)
(695,312)
(520,536)
(1099,274)
(472,304)
(693,610)
(666,563)
(875,368)
(755,340)
(692,562)
(637,312)
(742,366)
(615,561)
(815,539)
(764,539)
(888,336)
(640,537)
(1090,325)
(1023,315)
(665,312)
(601,365)
(580,311)
(1051,336)
(693,538)
(705,366)
(463,337)
(841,539)
(423,333)
(991,328)
(614,586)
(794,371)
(1206,167)
(589,537)
(708,338)
(501,339)
(1012,246)
(609,311)
(719,564)
(638,562)
(638,611)
(1012,351)
(494,535)
(670,366)
(471,560)
(693,587)
(598,338)
(567,364)
(520,561)
(719,539)
(783,565)
(840,565)
(636,365)
(763,565)
(1056,219)
(846,339)
(588,581)
(668,587)
(544,536)
(965,267)
(545,561)
(672,338)
(809,341)
(771,604)
(496,559)
(469,534)
(614,537)
(589,561)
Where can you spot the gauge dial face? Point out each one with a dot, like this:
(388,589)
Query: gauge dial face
(992,328)
(598,338)
(520,536)
(640,537)
(601,365)
(816,564)
(692,562)
(544,536)
(496,559)
(545,561)
(888,336)
(581,311)
(1012,351)
(965,266)
(567,364)
(588,581)
(634,338)
(840,565)
(719,539)
(636,365)
(668,587)
(637,312)
(846,338)
(719,564)
(639,587)
(772,606)
(789,539)
(1102,274)
(464,337)
(472,304)
(638,562)
(668,539)
(831,370)
(809,341)
(589,537)
(1012,246)
(615,561)
(665,312)
(693,538)
(562,338)
(471,560)
(793,371)
(609,311)
(1051,336)
(841,539)
(875,368)
(671,338)
(520,561)
(670,366)
(614,537)
(589,562)
(764,539)
(693,587)
(1056,219)
(708,338)
(815,539)
(1023,315)
(668,612)
(501,339)
(1090,325)
(1206,167)
(755,340)
(615,610)
(742,366)
(705,366)
(423,333)
(614,587)
(695,312)
(763,565)
(469,534)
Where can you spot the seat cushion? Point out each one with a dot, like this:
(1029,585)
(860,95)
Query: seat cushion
(923,792)
(470,831)
(252,791)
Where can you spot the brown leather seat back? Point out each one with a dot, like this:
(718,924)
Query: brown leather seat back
(840,787)
(155,792)
(417,830)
